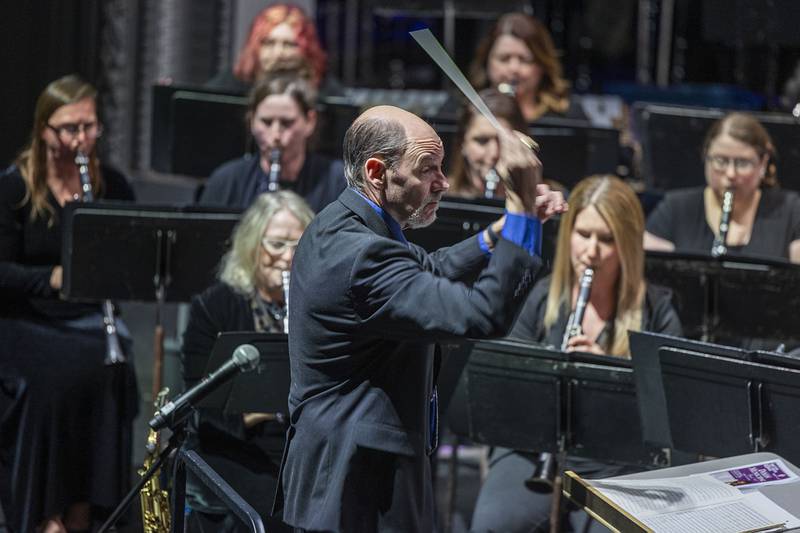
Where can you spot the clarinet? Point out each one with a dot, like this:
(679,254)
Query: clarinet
(274,169)
(719,248)
(492,179)
(576,318)
(114,353)
(508,88)
(285,276)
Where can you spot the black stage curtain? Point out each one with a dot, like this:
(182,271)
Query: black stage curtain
(42,40)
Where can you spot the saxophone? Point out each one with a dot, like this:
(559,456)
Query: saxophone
(156,517)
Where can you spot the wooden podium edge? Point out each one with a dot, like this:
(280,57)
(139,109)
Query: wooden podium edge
(600,507)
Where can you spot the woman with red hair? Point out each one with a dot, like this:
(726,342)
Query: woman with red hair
(282,39)
(281,35)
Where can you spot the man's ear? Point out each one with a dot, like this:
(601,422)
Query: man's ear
(375,172)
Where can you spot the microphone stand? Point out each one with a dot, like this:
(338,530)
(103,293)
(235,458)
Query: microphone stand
(175,441)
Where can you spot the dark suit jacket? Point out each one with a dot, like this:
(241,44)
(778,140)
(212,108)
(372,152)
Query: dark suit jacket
(365,311)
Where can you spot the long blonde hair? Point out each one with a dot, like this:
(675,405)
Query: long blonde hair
(32,161)
(239,265)
(620,208)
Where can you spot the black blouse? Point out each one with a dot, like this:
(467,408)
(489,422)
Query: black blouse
(235,183)
(658,315)
(29,249)
(681,219)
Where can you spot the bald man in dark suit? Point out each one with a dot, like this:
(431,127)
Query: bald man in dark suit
(367,307)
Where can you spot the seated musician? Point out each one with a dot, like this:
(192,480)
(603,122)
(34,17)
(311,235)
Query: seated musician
(282,116)
(249,296)
(602,230)
(476,150)
(764,221)
(65,440)
(518,56)
(280,35)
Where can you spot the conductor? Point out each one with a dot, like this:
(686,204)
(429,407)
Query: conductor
(366,308)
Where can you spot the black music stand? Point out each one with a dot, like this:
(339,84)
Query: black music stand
(716,297)
(125,251)
(666,130)
(264,390)
(720,406)
(532,398)
(649,384)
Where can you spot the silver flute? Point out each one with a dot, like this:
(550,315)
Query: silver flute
(719,247)
(114,353)
(285,277)
(576,318)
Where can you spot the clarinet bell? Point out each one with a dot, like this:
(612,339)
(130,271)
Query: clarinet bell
(541,481)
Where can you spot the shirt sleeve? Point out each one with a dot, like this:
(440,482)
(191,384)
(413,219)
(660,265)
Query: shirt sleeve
(659,223)
(524,231)
(16,277)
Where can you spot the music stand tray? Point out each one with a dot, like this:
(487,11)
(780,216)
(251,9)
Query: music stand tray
(264,390)
(125,251)
(719,406)
(709,293)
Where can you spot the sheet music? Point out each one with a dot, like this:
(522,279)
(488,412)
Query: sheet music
(698,503)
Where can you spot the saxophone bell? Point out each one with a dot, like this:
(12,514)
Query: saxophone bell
(156,517)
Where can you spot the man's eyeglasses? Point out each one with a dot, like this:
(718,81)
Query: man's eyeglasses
(741,165)
(278,246)
(69,131)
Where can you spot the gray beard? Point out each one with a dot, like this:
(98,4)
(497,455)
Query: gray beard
(416,220)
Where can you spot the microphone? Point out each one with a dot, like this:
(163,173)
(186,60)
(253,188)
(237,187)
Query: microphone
(274,169)
(245,358)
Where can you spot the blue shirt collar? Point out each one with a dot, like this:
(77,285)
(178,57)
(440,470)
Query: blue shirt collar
(391,223)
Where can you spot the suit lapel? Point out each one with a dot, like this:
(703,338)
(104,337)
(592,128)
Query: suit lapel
(355,203)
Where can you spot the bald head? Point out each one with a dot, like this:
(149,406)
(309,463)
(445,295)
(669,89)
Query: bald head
(381,131)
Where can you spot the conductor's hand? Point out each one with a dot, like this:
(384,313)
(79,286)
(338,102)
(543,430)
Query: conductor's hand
(521,172)
(582,343)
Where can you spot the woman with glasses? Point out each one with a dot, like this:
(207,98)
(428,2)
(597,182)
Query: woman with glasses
(66,429)
(739,156)
(249,296)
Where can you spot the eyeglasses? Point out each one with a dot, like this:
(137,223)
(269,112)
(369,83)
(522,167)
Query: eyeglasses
(278,246)
(69,131)
(741,165)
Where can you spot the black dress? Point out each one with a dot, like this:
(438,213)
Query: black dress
(681,219)
(247,458)
(65,417)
